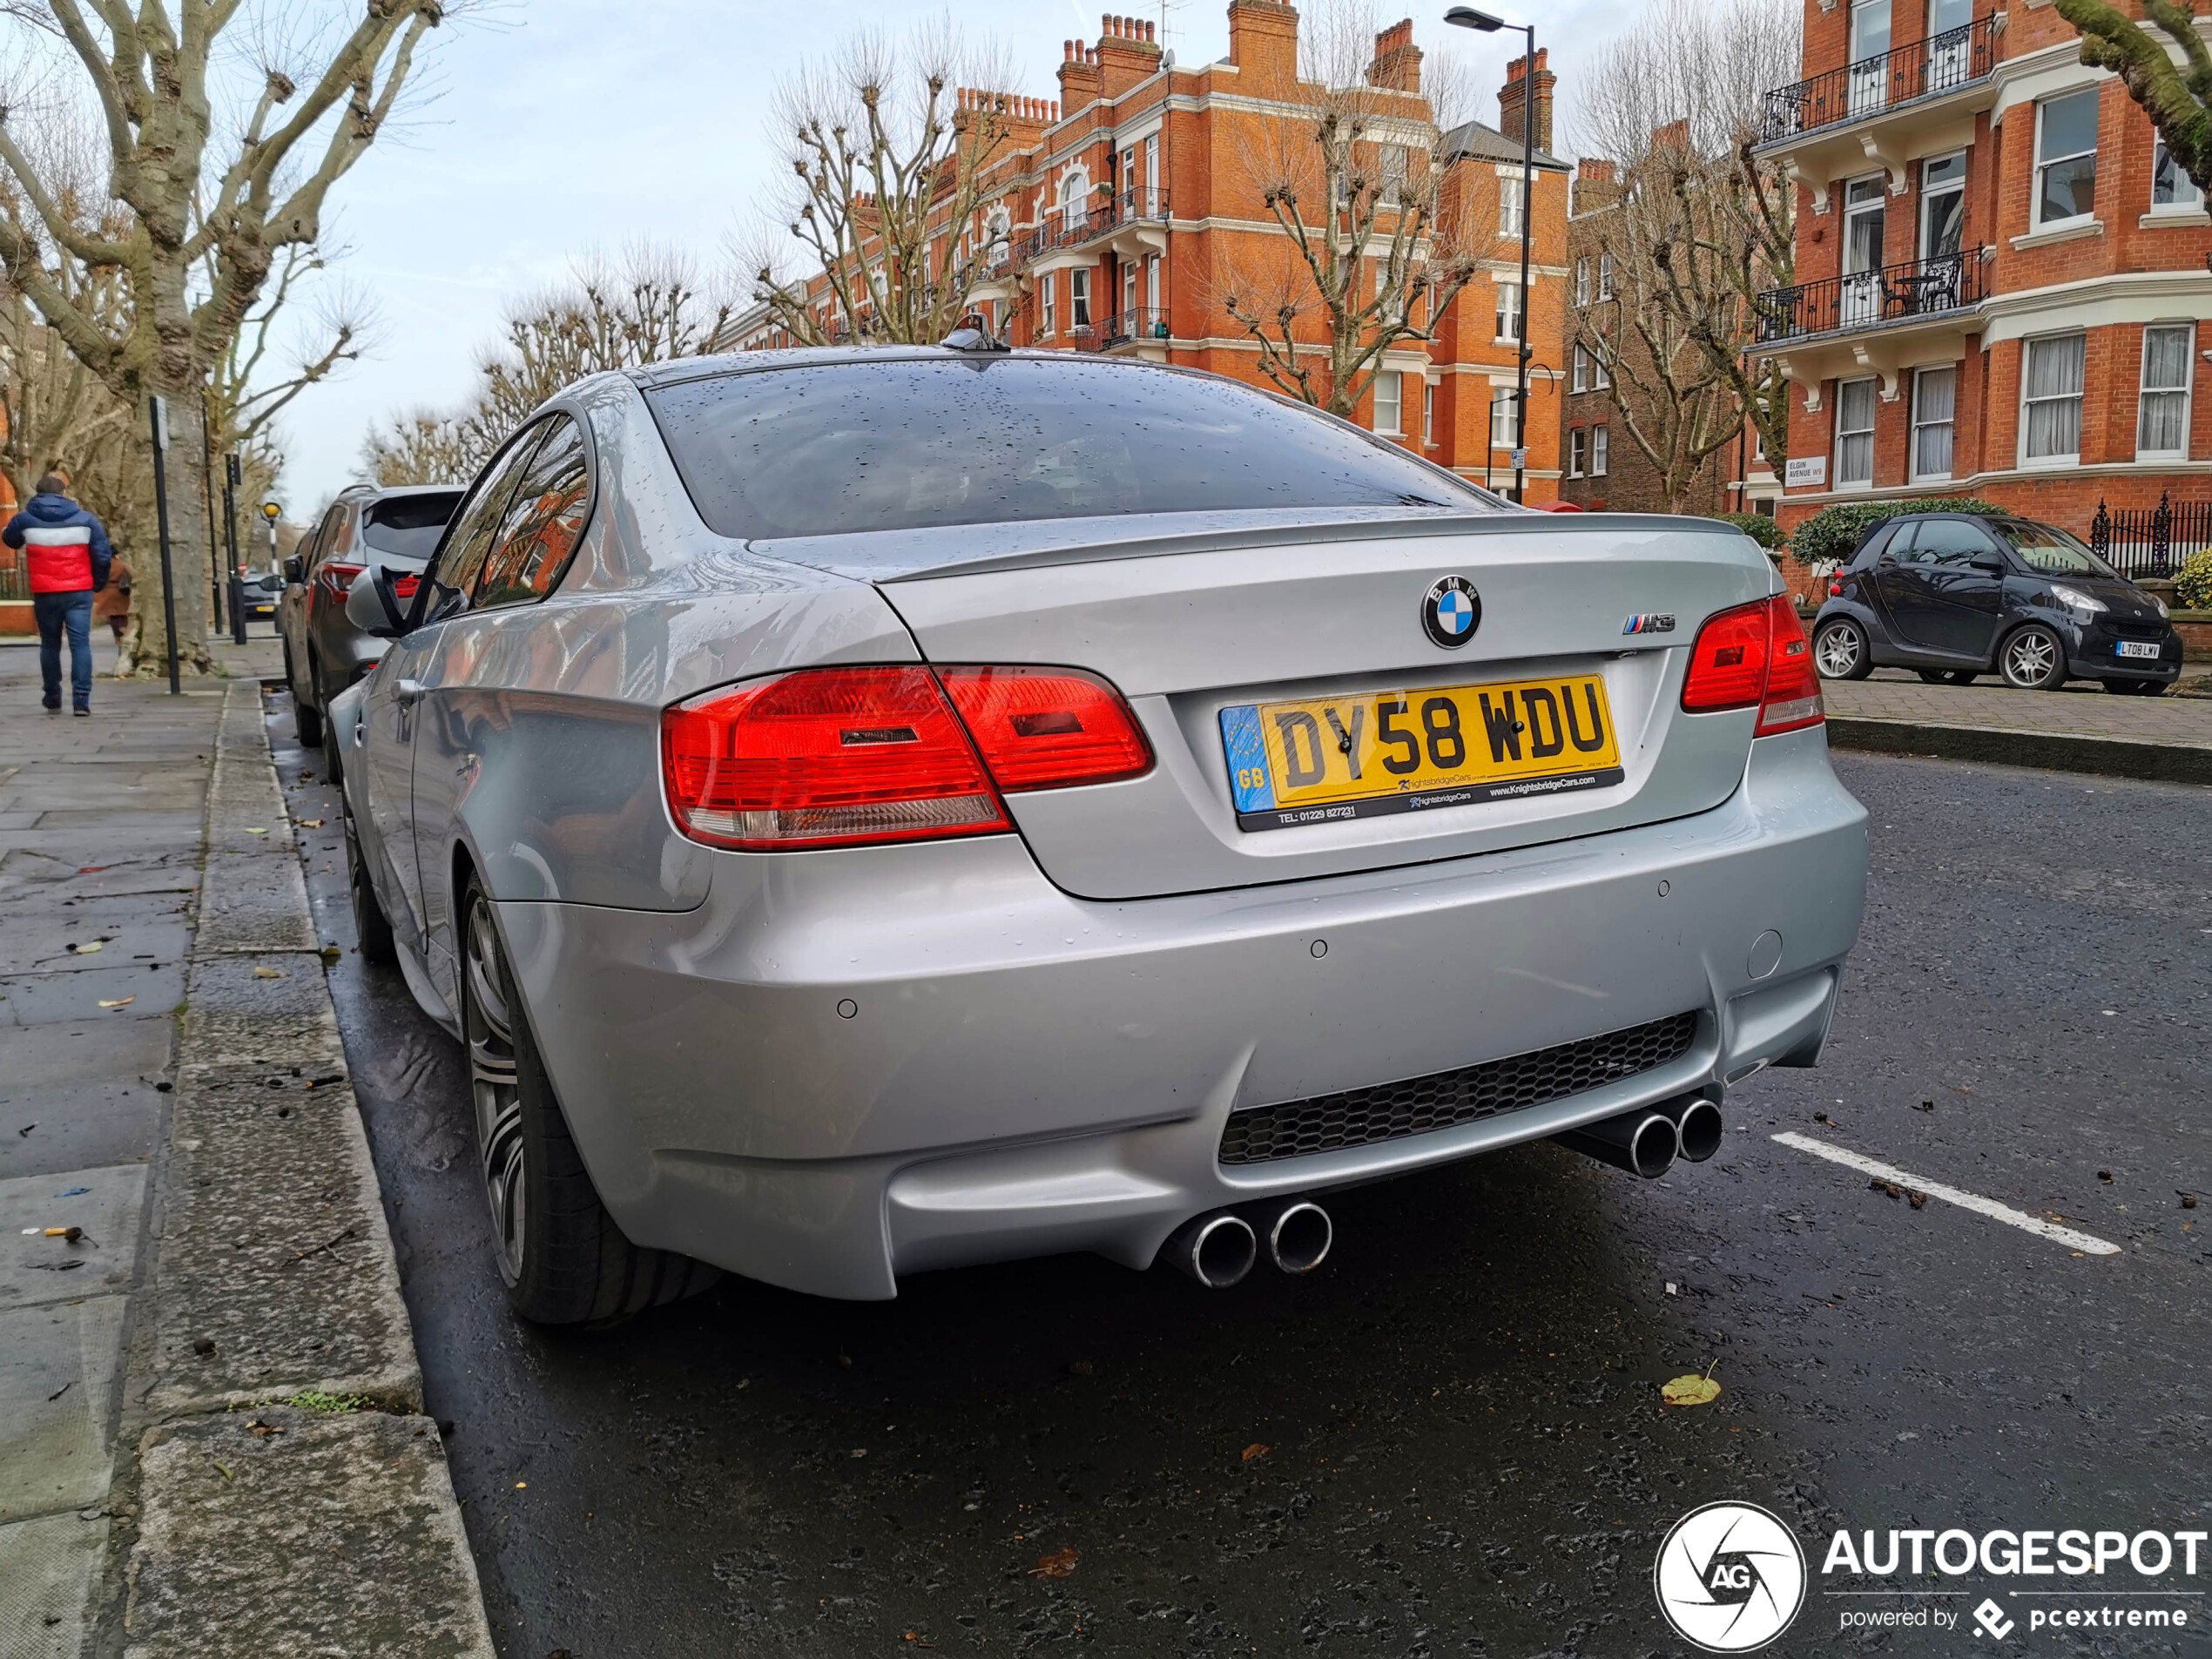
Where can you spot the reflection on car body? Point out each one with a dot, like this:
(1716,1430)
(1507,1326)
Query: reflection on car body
(803,782)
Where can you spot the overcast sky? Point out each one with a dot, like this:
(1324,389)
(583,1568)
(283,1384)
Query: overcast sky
(572,125)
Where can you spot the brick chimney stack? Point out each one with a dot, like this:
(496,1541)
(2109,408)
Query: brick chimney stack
(1515,92)
(1127,54)
(1263,42)
(1397,67)
(1597,184)
(1079,78)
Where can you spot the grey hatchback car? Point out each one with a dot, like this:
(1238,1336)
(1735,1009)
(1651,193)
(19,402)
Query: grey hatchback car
(872,810)
(323,652)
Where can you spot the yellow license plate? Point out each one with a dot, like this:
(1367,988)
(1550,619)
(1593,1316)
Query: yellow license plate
(1367,753)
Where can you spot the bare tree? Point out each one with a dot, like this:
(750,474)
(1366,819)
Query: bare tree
(647,307)
(887,145)
(1703,225)
(2177,96)
(1378,233)
(422,446)
(207,204)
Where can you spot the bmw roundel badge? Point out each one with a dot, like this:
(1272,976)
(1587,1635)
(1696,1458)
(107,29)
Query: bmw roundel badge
(1452,611)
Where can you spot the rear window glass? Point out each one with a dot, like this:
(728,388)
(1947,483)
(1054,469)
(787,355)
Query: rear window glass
(409,526)
(830,450)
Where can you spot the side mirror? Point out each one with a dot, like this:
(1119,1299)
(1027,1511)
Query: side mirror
(295,569)
(1987,562)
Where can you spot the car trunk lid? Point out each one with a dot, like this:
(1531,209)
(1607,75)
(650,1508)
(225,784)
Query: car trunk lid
(1271,618)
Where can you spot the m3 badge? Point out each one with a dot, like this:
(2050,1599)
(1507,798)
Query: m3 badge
(1649,622)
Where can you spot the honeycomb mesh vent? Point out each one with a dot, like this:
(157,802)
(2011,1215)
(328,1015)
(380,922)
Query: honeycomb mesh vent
(1392,1111)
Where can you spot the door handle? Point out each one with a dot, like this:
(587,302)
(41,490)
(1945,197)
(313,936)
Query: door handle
(409,693)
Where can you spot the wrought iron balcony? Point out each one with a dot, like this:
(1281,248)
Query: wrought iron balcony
(1895,293)
(1929,68)
(1063,229)
(1142,323)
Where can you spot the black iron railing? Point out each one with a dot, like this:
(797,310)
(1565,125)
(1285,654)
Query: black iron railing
(1871,299)
(15,582)
(1065,229)
(1926,68)
(2151,541)
(1143,323)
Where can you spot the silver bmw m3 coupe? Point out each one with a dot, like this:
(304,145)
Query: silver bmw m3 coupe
(874,811)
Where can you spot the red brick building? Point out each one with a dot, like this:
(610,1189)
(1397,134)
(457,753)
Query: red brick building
(2003,281)
(1121,213)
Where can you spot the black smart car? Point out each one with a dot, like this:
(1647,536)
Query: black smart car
(1955,595)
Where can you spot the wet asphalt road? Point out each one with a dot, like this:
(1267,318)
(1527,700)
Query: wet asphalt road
(1448,1440)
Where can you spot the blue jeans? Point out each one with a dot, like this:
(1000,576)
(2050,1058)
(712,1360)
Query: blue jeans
(53,612)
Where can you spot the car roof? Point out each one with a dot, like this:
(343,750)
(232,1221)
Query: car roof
(363,495)
(745,362)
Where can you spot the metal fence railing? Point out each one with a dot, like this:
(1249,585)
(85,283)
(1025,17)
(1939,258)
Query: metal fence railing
(15,582)
(1871,299)
(2151,541)
(1926,68)
(1143,323)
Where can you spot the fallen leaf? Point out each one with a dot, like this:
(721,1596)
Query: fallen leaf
(92,869)
(86,948)
(257,831)
(227,1475)
(118,1002)
(311,823)
(1890,1187)
(1255,1449)
(1919,1199)
(1690,1390)
(330,955)
(262,1431)
(1059,1564)
(521,1486)
(267,973)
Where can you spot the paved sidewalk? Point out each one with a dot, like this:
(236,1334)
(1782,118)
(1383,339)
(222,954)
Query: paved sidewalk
(167,1058)
(100,833)
(2083,728)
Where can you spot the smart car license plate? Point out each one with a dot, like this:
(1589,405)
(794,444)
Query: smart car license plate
(1367,753)
(2140,648)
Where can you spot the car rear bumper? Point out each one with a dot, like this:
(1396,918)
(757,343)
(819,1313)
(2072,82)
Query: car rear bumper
(848,1065)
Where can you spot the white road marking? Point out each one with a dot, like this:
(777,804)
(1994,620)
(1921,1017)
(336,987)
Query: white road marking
(1974,1201)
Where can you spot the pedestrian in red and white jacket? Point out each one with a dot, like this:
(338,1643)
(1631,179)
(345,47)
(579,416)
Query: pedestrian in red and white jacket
(68,556)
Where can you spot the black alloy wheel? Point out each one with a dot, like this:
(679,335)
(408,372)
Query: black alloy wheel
(561,1256)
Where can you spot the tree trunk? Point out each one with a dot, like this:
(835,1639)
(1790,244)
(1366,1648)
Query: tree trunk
(184,474)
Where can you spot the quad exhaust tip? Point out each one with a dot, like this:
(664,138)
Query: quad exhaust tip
(1299,1240)
(1698,1125)
(1217,1250)
(1643,1142)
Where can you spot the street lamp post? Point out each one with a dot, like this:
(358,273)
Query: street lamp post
(1468,17)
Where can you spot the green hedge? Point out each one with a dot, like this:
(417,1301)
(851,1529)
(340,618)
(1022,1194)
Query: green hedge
(2193,583)
(1758,526)
(1834,532)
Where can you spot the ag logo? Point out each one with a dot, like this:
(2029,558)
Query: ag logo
(1452,611)
(1730,1577)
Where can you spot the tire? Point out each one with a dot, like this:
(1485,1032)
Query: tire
(1840,651)
(307,719)
(372,927)
(2032,659)
(560,1255)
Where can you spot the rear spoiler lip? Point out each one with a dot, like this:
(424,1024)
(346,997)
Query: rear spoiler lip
(1089,540)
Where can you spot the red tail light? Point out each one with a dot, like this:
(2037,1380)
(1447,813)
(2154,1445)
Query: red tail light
(403,587)
(1835,590)
(1792,697)
(843,757)
(1755,655)
(336,577)
(1046,728)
